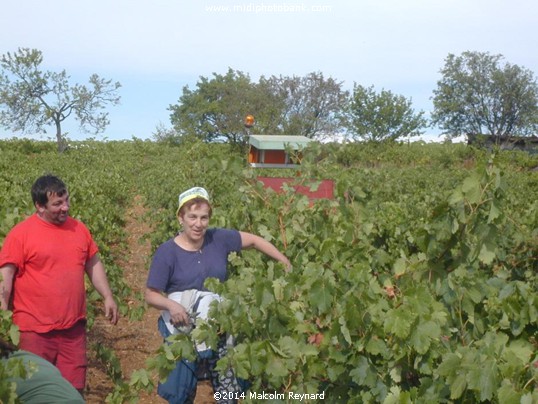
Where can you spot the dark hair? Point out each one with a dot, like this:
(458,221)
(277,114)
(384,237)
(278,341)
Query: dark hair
(195,201)
(45,186)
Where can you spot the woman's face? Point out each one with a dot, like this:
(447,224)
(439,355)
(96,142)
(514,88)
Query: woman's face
(195,220)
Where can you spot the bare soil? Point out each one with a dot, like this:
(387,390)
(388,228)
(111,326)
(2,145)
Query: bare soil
(133,342)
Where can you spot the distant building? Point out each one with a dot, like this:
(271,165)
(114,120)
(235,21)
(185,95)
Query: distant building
(270,151)
(523,143)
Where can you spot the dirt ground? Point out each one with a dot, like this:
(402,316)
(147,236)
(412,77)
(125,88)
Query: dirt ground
(132,342)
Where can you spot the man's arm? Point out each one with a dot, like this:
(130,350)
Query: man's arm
(7,273)
(96,272)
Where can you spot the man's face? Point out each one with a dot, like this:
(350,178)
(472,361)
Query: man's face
(56,210)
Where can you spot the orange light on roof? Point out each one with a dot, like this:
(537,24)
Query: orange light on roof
(249,121)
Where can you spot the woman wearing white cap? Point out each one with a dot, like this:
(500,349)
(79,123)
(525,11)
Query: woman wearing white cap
(176,279)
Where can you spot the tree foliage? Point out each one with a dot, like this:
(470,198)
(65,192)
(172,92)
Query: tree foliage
(216,109)
(311,104)
(381,116)
(477,94)
(33,98)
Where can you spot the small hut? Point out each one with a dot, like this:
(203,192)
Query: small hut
(270,151)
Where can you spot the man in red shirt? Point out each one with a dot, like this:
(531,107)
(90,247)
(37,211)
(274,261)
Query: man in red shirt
(42,264)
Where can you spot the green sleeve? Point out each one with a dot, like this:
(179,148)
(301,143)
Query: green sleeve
(46,385)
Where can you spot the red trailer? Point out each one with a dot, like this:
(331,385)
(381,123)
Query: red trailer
(268,151)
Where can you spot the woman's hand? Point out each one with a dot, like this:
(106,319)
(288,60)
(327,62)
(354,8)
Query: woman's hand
(287,265)
(178,313)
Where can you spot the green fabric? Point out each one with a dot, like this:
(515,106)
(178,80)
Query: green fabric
(46,385)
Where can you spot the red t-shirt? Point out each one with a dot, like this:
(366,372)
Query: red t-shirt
(48,288)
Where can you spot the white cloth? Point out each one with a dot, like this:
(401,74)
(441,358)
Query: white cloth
(189,299)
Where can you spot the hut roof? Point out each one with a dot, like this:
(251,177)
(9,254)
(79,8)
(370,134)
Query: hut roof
(278,142)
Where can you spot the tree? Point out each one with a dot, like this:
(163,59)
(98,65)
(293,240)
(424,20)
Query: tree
(381,116)
(479,95)
(311,104)
(32,99)
(216,109)
(167,135)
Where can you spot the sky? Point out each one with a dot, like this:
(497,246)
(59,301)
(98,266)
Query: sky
(155,48)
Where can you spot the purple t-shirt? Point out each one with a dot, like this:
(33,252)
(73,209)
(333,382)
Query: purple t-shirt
(174,269)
